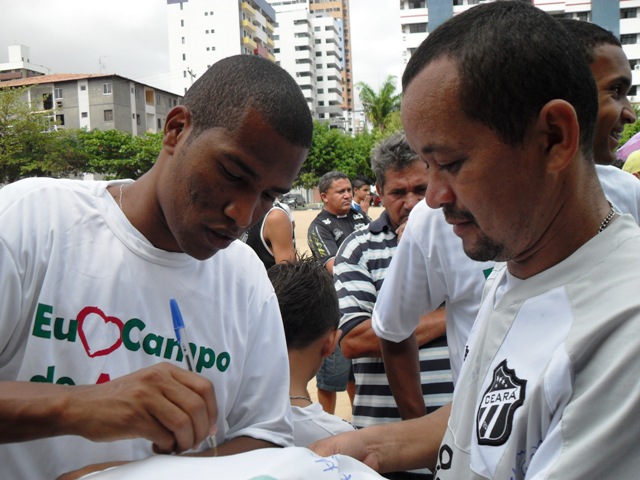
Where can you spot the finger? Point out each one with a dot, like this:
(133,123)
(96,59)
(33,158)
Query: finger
(206,391)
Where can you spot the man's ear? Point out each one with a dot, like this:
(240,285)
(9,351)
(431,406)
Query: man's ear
(177,123)
(330,343)
(559,132)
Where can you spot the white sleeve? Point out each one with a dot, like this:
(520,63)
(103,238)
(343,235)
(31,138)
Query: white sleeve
(414,284)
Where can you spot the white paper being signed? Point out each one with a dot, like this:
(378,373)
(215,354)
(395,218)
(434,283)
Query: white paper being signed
(292,463)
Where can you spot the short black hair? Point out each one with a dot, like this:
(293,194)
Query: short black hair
(359,181)
(392,153)
(307,298)
(589,36)
(328,178)
(512,59)
(224,93)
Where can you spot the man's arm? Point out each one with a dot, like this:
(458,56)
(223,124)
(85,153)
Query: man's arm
(170,406)
(278,232)
(362,341)
(394,446)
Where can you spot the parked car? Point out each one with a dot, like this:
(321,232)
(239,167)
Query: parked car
(294,200)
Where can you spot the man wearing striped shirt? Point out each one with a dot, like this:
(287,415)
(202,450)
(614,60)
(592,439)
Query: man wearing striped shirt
(359,271)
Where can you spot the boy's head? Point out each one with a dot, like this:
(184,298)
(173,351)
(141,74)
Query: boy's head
(361,188)
(610,68)
(308,301)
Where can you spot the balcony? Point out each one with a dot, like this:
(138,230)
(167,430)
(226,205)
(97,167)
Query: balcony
(249,41)
(248,9)
(248,25)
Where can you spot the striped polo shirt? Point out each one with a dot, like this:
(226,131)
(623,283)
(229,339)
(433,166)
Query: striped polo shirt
(359,271)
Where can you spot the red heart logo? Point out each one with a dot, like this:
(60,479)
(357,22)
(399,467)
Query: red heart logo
(82,316)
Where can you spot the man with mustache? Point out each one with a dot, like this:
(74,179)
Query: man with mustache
(335,222)
(431,258)
(547,386)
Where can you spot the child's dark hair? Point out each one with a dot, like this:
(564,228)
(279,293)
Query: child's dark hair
(307,298)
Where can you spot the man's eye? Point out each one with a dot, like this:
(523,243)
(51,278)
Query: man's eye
(452,167)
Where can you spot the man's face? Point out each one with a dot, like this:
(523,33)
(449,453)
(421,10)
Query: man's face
(493,194)
(360,194)
(403,190)
(337,198)
(218,184)
(613,78)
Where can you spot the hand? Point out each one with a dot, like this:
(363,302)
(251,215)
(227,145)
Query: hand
(352,444)
(168,405)
(400,230)
(365,204)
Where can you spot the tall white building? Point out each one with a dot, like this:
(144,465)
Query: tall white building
(414,21)
(310,46)
(201,32)
(20,65)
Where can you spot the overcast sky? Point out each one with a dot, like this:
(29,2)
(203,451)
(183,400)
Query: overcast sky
(129,37)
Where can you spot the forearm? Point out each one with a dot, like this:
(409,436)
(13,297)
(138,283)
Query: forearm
(361,341)
(410,444)
(403,373)
(392,447)
(29,411)
(432,325)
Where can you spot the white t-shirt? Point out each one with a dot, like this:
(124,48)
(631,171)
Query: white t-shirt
(621,188)
(312,423)
(550,386)
(429,268)
(85,298)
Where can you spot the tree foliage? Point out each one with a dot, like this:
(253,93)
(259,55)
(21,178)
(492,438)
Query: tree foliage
(21,132)
(332,149)
(31,145)
(379,107)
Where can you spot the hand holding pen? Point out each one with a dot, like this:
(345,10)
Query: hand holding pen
(181,335)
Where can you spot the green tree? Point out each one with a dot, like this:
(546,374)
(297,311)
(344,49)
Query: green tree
(378,107)
(22,130)
(118,154)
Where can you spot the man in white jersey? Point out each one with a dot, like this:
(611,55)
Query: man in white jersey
(90,367)
(430,266)
(547,389)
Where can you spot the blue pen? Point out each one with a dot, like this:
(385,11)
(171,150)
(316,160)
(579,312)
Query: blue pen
(178,327)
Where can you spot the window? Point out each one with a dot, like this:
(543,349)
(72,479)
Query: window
(629,13)
(159,124)
(83,88)
(183,40)
(108,115)
(106,89)
(137,119)
(184,56)
(57,93)
(84,115)
(182,23)
(60,119)
(628,39)
(418,28)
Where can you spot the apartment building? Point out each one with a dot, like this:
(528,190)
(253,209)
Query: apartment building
(98,101)
(340,9)
(19,65)
(622,17)
(201,32)
(310,46)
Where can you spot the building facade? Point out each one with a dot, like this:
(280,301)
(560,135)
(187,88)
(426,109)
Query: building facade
(310,46)
(98,101)
(19,65)
(622,17)
(201,32)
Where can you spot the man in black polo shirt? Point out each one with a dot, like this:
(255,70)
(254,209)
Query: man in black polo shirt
(335,222)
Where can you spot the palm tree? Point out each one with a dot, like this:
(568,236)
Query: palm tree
(378,107)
